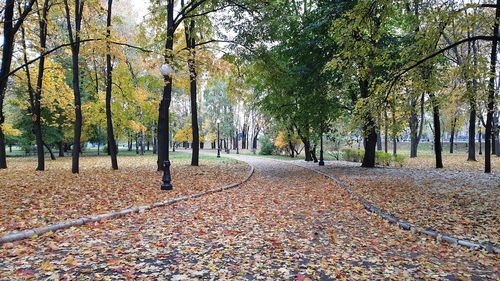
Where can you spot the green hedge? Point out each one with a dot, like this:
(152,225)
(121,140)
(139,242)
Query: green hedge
(381,158)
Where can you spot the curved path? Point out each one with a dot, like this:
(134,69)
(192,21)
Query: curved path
(286,223)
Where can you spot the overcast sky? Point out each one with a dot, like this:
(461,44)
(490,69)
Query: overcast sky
(140,6)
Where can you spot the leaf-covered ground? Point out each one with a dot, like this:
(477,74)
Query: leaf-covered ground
(31,199)
(464,204)
(286,223)
(453,162)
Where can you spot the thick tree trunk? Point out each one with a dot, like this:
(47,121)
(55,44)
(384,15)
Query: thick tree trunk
(313,154)
(42,23)
(370,135)
(307,150)
(255,139)
(244,133)
(438,150)
(112,148)
(191,43)
(370,141)
(491,95)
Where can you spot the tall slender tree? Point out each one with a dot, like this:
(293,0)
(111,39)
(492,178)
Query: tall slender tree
(75,40)
(112,148)
(491,93)
(11,26)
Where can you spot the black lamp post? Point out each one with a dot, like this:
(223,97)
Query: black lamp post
(218,139)
(166,70)
(321,160)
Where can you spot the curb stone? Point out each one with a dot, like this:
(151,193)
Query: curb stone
(25,234)
(487,246)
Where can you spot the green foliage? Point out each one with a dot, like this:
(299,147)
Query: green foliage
(266,146)
(352,155)
(381,158)
(399,160)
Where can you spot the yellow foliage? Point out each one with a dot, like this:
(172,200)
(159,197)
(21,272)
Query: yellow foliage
(186,134)
(281,141)
(212,137)
(8,130)
(137,127)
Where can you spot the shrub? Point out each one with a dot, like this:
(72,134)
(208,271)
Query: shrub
(383,158)
(266,146)
(352,155)
(399,160)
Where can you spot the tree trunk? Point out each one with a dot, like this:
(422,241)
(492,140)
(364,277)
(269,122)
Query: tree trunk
(313,154)
(34,100)
(255,139)
(307,150)
(369,133)
(61,149)
(129,141)
(496,133)
(112,148)
(191,43)
(472,133)
(437,132)
(10,27)
(386,130)
(416,126)
(491,95)
(290,145)
(136,143)
(379,140)
(452,137)
(74,37)
(153,138)
(52,157)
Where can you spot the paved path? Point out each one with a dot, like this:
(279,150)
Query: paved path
(286,223)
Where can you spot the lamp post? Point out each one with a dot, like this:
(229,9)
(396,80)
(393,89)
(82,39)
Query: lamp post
(321,160)
(167,71)
(218,140)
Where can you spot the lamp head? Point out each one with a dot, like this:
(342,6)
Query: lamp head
(218,121)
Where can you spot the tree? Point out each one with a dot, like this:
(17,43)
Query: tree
(112,148)
(491,93)
(11,26)
(75,40)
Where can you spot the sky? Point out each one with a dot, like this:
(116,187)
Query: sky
(140,7)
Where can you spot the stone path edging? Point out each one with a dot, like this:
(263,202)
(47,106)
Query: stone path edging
(25,234)
(489,247)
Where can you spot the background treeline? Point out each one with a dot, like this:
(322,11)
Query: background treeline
(87,71)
